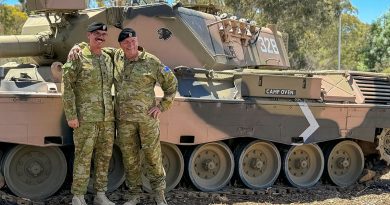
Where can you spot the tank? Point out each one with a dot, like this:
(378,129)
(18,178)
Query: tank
(240,113)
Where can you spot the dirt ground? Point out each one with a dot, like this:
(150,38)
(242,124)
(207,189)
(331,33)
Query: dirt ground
(374,192)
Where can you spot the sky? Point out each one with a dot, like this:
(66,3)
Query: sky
(368,10)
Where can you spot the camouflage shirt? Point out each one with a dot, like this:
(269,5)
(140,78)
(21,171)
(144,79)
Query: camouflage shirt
(134,84)
(87,87)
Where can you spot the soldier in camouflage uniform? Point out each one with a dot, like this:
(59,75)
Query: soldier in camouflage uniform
(89,111)
(135,75)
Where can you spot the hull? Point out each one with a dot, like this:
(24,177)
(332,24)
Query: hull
(33,119)
(285,122)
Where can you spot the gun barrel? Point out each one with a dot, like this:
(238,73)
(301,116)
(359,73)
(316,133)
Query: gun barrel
(23,45)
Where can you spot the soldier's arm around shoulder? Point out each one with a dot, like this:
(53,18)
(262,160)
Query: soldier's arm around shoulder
(69,76)
(168,83)
(110,51)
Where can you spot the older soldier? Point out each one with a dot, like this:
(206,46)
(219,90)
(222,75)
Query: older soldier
(89,111)
(136,73)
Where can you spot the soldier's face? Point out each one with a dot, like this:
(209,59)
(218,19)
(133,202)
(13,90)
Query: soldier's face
(97,38)
(130,46)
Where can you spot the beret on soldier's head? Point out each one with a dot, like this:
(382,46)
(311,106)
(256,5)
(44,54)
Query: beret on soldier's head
(97,26)
(125,33)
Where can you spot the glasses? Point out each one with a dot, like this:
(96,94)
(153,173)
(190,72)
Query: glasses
(99,33)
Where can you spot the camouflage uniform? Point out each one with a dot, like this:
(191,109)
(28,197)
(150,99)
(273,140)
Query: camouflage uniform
(134,84)
(87,97)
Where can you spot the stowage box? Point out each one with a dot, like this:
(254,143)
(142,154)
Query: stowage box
(281,86)
(52,5)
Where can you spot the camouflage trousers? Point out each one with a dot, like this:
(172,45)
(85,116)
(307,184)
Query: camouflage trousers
(135,138)
(92,139)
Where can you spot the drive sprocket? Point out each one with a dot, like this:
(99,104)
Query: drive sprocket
(384,145)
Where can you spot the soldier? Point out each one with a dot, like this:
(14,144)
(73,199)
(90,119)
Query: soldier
(136,73)
(89,111)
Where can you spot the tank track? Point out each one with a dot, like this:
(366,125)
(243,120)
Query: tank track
(384,145)
(235,192)
(180,196)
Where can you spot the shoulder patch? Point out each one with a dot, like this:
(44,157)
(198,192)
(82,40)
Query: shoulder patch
(167,69)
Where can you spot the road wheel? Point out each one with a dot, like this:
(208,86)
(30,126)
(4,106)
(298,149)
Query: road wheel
(257,164)
(210,166)
(303,165)
(34,172)
(344,163)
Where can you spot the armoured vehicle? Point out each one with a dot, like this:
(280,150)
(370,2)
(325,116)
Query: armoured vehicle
(239,110)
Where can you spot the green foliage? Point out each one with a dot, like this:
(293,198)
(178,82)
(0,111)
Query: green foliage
(321,50)
(102,3)
(12,19)
(354,35)
(214,2)
(107,3)
(387,70)
(312,27)
(377,51)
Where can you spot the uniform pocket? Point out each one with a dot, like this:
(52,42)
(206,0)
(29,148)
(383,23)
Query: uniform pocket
(145,79)
(86,75)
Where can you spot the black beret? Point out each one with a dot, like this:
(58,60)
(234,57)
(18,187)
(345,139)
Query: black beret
(96,26)
(125,33)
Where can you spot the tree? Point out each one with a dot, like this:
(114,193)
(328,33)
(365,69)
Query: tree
(377,51)
(299,18)
(354,35)
(106,3)
(321,50)
(103,3)
(11,19)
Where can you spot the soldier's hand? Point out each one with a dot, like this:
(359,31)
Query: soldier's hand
(74,53)
(154,112)
(73,123)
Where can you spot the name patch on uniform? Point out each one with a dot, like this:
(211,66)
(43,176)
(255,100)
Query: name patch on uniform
(167,69)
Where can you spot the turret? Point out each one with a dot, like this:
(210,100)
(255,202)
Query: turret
(177,35)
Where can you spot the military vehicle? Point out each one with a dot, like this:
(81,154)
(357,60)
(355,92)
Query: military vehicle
(240,110)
